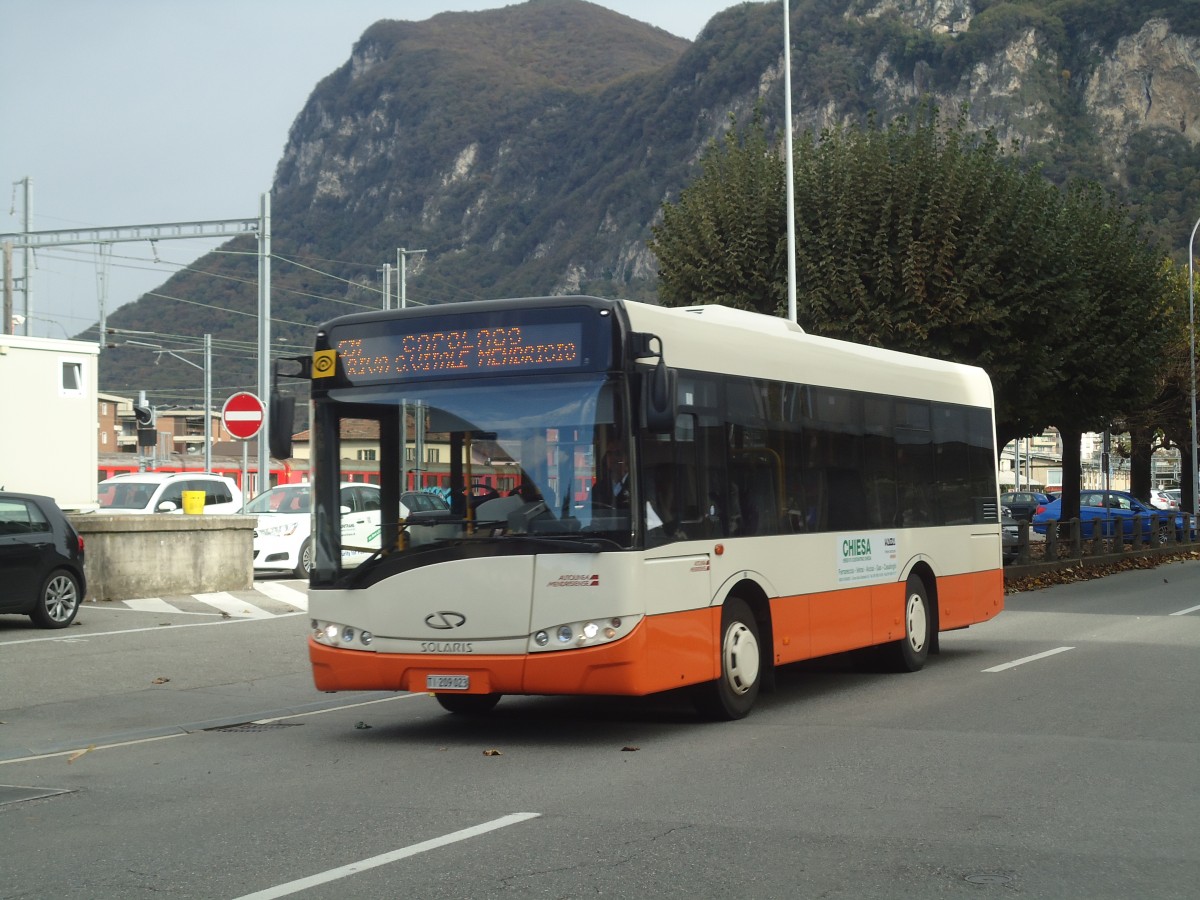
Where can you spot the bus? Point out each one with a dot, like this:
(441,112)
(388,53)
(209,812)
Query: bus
(702,495)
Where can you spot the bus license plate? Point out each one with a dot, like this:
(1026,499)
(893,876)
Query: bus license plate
(448,682)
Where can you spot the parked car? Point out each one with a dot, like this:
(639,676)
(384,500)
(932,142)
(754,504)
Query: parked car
(282,539)
(151,492)
(1103,510)
(1023,504)
(1009,535)
(1164,500)
(41,561)
(1175,494)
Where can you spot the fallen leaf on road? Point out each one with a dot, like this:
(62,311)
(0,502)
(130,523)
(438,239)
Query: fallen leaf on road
(160,680)
(78,753)
(630,749)
(492,753)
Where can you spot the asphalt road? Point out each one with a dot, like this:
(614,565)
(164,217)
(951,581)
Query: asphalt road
(1051,753)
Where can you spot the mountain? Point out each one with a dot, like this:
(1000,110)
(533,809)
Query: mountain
(528,150)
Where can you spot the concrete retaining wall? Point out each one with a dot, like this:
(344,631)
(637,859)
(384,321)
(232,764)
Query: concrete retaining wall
(128,557)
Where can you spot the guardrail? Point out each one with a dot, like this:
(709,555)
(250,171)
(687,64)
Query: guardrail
(1096,542)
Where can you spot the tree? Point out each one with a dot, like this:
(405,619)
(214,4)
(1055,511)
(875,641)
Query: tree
(922,238)
(725,239)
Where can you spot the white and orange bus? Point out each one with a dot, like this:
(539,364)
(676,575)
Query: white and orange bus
(704,494)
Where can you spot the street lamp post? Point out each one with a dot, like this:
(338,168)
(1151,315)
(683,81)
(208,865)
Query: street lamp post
(1192,385)
(792,312)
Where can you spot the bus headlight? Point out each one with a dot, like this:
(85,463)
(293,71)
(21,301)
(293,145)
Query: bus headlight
(334,634)
(588,633)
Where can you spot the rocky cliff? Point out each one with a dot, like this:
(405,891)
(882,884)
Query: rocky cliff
(528,150)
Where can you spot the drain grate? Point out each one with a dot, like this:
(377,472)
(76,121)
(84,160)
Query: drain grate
(254,727)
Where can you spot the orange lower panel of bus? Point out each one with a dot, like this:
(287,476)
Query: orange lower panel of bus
(820,624)
(662,653)
(668,651)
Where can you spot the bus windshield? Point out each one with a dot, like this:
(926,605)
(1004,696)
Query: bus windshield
(502,460)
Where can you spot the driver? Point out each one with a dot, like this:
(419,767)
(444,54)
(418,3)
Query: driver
(612,487)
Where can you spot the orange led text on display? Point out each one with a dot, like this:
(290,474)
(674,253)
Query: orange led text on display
(461,350)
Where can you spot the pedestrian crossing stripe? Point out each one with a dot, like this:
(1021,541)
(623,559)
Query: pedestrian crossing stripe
(225,603)
(232,606)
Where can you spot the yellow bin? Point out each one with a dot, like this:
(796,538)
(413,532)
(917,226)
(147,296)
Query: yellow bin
(193,502)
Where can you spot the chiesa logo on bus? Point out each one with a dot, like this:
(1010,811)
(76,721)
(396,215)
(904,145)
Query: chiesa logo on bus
(575,581)
(856,548)
(860,548)
(867,557)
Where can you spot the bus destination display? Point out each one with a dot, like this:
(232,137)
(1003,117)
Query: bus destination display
(462,350)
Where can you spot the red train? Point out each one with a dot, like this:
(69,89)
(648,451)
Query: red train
(294,471)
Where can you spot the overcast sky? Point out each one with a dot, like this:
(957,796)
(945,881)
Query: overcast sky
(132,112)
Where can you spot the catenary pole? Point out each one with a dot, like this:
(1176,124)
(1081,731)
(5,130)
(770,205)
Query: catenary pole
(402,264)
(27,255)
(207,402)
(264,339)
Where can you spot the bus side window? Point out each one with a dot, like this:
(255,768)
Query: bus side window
(755,474)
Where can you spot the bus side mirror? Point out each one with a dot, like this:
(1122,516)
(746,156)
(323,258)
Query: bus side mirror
(280,422)
(281,415)
(658,399)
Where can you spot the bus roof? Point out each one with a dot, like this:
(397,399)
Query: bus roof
(738,342)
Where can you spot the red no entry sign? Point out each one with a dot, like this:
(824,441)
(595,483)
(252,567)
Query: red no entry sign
(242,415)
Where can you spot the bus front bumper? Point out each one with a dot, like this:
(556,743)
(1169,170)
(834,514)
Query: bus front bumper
(683,653)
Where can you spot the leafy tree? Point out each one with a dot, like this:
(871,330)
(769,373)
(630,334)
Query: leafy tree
(725,240)
(922,238)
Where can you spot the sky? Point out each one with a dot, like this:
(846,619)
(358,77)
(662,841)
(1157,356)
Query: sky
(138,112)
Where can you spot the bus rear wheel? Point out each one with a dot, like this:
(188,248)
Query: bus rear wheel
(468,704)
(733,693)
(910,652)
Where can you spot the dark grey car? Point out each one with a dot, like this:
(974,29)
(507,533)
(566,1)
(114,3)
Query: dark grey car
(1023,504)
(41,561)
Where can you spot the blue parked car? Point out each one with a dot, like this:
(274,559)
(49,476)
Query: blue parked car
(1100,511)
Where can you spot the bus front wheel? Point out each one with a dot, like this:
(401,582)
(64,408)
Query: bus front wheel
(910,652)
(468,704)
(733,693)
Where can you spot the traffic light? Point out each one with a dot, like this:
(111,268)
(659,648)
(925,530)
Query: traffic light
(146,435)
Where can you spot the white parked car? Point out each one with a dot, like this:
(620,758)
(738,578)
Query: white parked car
(1164,500)
(158,492)
(282,540)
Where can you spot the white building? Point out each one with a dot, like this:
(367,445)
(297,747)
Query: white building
(48,395)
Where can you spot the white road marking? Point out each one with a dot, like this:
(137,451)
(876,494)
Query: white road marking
(302,884)
(1184,612)
(283,593)
(162,737)
(150,604)
(1026,659)
(42,640)
(234,606)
